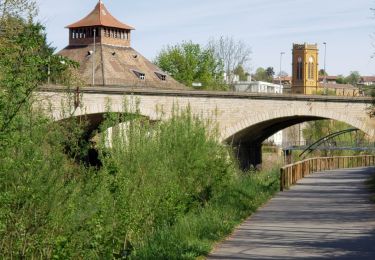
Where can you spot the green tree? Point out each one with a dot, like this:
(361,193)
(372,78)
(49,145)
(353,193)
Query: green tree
(353,78)
(25,58)
(322,72)
(240,71)
(189,62)
(37,180)
(262,74)
(341,79)
(270,72)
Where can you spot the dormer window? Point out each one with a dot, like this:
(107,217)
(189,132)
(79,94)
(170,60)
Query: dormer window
(140,75)
(161,76)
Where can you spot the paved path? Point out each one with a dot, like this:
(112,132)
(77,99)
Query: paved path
(325,216)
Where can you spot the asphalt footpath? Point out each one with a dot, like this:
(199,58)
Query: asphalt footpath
(327,215)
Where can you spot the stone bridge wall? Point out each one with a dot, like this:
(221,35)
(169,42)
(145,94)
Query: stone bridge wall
(233,112)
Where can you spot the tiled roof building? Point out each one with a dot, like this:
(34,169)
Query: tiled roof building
(102,46)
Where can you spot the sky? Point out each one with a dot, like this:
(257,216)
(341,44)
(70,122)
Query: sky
(269,27)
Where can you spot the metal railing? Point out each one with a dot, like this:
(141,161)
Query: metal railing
(291,173)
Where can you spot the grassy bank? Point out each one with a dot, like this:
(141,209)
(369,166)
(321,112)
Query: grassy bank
(184,190)
(195,233)
(164,191)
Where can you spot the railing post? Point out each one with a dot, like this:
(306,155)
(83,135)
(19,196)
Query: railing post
(282,179)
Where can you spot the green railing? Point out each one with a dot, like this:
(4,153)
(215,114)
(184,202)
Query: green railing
(291,173)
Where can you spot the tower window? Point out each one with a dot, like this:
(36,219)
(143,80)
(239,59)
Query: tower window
(161,76)
(299,68)
(311,68)
(139,75)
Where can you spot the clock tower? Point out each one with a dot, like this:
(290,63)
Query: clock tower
(305,69)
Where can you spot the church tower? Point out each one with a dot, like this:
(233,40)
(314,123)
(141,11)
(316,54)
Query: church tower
(101,44)
(305,69)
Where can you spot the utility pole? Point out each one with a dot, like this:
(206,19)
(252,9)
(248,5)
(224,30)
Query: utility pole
(93,59)
(49,70)
(325,72)
(281,59)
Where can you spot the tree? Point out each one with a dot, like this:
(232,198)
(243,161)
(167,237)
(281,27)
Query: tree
(341,79)
(232,53)
(270,72)
(25,58)
(322,73)
(18,8)
(189,62)
(353,78)
(36,176)
(241,73)
(262,74)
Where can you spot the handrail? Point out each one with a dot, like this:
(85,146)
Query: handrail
(291,173)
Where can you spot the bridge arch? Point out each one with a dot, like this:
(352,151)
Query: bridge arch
(100,109)
(278,120)
(248,135)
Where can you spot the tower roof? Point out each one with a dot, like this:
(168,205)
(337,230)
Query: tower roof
(100,17)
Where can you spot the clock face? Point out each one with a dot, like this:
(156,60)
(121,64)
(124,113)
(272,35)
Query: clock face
(299,59)
(311,59)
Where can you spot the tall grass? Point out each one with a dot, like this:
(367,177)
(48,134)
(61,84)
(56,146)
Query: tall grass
(174,189)
(166,190)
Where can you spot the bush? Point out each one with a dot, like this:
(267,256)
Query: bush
(166,190)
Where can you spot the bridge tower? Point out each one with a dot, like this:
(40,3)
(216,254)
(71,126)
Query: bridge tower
(305,69)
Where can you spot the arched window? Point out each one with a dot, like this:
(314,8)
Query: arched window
(311,68)
(299,68)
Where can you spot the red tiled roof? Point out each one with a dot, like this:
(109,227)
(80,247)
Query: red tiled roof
(368,78)
(100,17)
(338,86)
(328,77)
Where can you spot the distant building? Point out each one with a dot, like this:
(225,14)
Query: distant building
(258,87)
(285,81)
(367,80)
(328,79)
(340,89)
(305,69)
(102,46)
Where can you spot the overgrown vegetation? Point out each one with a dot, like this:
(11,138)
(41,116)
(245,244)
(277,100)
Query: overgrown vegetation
(167,190)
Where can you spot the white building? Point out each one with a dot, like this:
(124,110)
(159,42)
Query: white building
(258,87)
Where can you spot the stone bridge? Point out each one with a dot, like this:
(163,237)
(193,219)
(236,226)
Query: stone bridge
(245,120)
